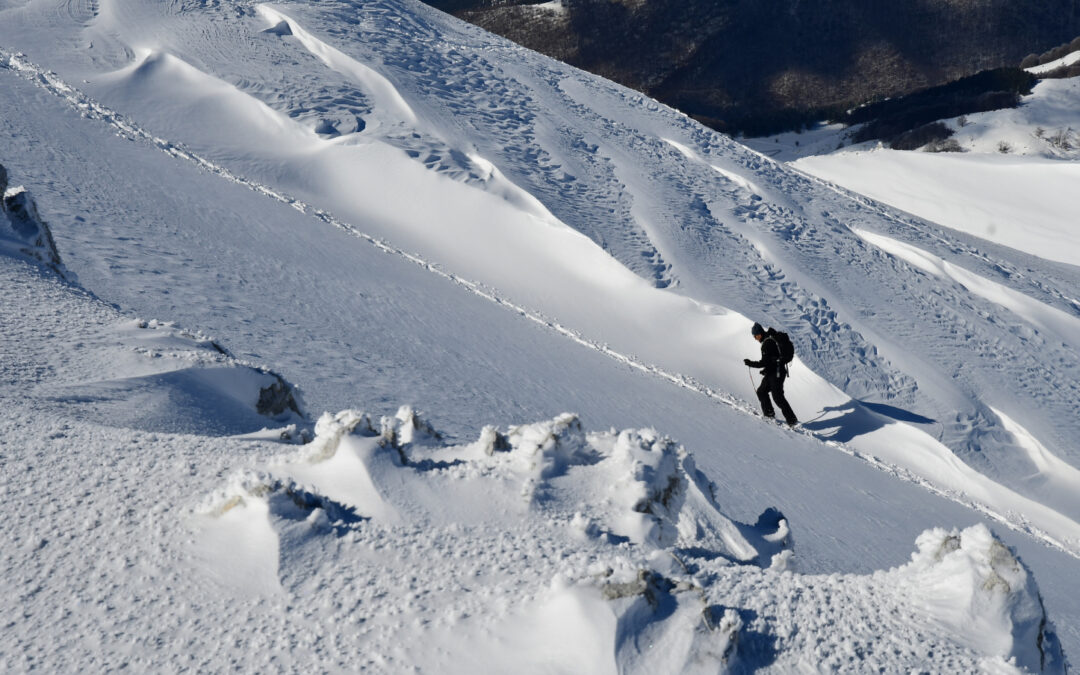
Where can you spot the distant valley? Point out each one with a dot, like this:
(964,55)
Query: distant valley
(756,68)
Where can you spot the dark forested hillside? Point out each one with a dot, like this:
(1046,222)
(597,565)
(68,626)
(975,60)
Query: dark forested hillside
(755,66)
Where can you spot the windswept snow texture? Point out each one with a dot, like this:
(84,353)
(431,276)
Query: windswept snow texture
(597,552)
(386,205)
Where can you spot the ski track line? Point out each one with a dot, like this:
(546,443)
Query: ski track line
(87,107)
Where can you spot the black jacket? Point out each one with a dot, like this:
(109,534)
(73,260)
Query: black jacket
(770,357)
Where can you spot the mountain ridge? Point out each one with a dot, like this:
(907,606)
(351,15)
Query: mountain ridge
(758,68)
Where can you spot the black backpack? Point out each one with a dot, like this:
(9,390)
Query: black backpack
(787,350)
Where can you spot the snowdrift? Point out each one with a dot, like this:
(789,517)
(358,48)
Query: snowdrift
(155,376)
(595,552)
(139,374)
(980,592)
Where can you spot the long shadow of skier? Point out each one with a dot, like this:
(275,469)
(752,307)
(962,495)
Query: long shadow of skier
(859,418)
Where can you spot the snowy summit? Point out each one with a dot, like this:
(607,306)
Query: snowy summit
(344,336)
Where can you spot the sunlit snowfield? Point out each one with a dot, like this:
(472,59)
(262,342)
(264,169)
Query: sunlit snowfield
(389,208)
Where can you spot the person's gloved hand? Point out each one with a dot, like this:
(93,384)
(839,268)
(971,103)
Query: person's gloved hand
(747,362)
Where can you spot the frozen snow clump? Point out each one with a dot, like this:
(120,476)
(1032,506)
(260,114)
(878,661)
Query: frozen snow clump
(978,589)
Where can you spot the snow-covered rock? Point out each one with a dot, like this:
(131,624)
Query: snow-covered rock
(983,596)
(22,230)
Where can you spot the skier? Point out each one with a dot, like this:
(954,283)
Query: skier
(774,371)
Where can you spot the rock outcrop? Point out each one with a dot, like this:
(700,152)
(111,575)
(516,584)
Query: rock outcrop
(22,230)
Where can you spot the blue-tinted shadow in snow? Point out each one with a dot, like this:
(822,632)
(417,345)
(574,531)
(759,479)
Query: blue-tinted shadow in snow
(859,418)
(755,650)
(187,401)
(308,526)
(765,536)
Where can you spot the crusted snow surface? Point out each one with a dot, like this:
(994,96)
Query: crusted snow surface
(548,548)
(381,546)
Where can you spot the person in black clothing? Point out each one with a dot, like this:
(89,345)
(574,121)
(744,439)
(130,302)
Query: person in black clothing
(773,374)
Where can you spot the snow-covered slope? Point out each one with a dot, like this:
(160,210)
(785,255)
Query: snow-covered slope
(1010,185)
(1045,125)
(387,206)
(1067,60)
(379,546)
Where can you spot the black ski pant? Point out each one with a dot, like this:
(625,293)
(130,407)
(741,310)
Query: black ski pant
(774,384)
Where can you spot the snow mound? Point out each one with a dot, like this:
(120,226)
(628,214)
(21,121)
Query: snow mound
(546,450)
(651,493)
(979,592)
(246,525)
(285,499)
(666,502)
(22,230)
(154,376)
(611,518)
(549,548)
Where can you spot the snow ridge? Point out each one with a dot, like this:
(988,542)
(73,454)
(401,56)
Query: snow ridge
(386,97)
